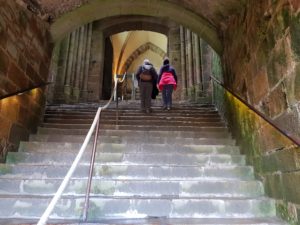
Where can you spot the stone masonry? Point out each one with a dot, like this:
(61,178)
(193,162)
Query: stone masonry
(24,60)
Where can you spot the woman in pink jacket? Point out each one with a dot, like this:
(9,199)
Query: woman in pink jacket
(167,82)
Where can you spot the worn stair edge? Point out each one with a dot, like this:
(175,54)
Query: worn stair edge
(134,188)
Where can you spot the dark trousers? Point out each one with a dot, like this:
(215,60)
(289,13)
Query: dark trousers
(145,94)
(167,95)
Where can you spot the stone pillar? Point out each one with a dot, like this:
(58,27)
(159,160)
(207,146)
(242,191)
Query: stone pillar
(76,90)
(206,56)
(58,95)
(198,80)
(95,79)
(67,88)
(87,62)
(75,62)
(53,74)
(82,69)
(183,64)
(64,59)
(190,88)
(174,54)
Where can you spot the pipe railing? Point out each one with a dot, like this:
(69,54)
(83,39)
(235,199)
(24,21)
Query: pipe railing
(122,77)
(24,90)
(44,218)
(269,121)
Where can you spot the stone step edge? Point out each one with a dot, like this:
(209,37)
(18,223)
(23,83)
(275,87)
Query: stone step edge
(156,221)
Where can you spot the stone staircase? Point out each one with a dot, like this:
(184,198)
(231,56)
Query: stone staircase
(176,167)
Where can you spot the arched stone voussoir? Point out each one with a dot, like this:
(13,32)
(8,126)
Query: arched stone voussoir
(114,25)
(100,9)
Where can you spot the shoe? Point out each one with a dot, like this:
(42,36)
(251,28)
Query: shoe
(165,108)
(169,108)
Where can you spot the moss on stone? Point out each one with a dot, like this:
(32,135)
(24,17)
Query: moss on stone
(4,169)
(295,34)
(23,19)
(13,158)
(297,82)
(286,17)
(283,212)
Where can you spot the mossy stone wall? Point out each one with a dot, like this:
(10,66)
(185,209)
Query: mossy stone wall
(261,65)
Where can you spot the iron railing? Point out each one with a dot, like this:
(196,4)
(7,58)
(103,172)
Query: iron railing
(96,123)
(269,121)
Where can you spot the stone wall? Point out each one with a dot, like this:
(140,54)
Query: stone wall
(24,60)
(261,64)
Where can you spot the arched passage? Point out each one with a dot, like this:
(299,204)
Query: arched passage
(141,50)
(97,10)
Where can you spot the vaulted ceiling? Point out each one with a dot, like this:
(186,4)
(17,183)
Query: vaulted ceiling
(204,17)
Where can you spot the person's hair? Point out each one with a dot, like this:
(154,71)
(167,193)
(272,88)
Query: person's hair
(166,61)
(146,61)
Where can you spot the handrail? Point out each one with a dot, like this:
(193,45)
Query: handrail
(44,218)
(117,100)
(24,90)
(293,139)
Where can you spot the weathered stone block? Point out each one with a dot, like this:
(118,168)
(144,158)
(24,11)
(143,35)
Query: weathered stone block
(271,139)
(31,73)
(4,62)
(289,121)
(259,86)
(17,76)
(43,72)
(283,160)
(273,185)
(297,82)
(6,86)
(276,102)
(10,108)
(295,34)
(12,50)
(17,134)
(5,125)
(291,181)
(22,62)
(287,211)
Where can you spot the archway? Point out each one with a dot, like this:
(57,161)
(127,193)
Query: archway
(97,10)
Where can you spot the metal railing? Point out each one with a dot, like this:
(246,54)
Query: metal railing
(24,90)
(269,121)
(96,123)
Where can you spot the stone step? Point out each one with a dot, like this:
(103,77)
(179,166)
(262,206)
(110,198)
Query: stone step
(130,172)
(129,148)
(136,120)
(158,220)
(162,134)
(132,140)
(43,130)
(165,123)
(137,110)
(66,158)
(134,188)
(112,208)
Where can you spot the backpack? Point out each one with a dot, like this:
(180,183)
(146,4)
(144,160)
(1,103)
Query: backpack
(146,75)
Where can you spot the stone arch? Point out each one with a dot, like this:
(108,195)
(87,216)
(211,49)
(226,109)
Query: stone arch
(97,10)
(147,46)
(114,25)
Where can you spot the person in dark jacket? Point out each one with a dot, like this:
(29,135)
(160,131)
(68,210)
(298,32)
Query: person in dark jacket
(167,82)
(146,75)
